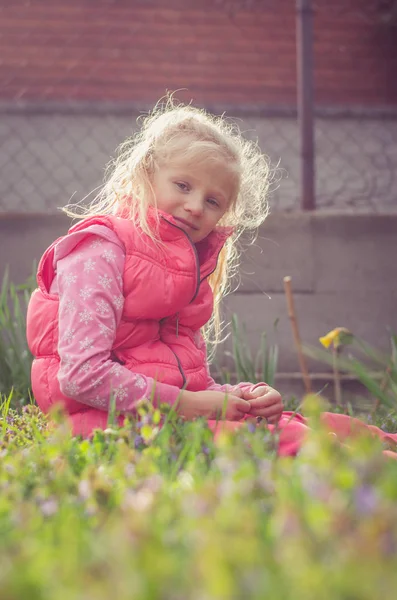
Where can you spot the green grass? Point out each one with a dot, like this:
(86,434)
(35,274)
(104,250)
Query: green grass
(143,512)
(15,357)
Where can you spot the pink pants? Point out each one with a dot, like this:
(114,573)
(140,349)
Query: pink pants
(292,429)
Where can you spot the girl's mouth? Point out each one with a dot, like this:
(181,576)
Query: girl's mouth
(186,223)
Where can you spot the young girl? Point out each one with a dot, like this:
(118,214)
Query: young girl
(126,299)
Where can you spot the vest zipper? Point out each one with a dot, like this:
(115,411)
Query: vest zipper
(210,273)
(199,282)
(180,368)
(196,257)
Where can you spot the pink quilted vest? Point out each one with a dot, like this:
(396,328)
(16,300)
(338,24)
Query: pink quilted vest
(167,301)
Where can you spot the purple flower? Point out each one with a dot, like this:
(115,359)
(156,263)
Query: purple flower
(49,507)
(138,442)
(366,499)
(251,427)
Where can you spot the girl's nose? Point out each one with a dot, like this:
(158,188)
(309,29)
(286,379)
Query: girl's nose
(194,205)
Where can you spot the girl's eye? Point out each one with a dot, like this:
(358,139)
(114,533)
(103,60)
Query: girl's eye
(213,202)
(182,186)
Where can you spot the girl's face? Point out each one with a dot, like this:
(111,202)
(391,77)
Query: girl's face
(197,196)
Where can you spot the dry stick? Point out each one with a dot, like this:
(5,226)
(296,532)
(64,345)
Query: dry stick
(295,331)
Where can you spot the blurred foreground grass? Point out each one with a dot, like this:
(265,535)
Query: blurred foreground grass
(143,512)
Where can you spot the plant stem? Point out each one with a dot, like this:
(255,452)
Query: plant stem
(383,387)
(337,386)
(295,331)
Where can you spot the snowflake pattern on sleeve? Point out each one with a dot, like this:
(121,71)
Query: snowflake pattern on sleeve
(86,316)
(90,307)
(108,255)
(89,265)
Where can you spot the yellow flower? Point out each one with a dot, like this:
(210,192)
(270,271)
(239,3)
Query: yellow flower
(338,337)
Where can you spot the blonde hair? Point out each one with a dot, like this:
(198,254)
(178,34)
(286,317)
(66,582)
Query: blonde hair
(170,128)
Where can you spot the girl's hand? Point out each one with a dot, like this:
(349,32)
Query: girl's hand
(212,405)
(266,402)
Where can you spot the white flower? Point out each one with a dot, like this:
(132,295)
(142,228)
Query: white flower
(139,501)
(86,343)
(78,257)
(70,305)
(185,480)
(72,388)
(69,335)
(105,281)
(86,292)
(89,265)
(118,301)
(116,370)
(85,316)
(103,307)
(105,330)
(96,243)
(69,278)
(119,279)
(84,489)
(108,255)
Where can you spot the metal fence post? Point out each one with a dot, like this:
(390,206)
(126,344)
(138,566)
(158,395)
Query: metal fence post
(304,55)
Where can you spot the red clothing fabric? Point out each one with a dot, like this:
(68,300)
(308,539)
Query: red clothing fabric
(293,428)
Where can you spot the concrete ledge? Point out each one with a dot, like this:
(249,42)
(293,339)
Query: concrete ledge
(23,239)
(357,251)
(284,246)
(323,251)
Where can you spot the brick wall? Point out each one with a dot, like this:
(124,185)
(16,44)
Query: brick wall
(226,52)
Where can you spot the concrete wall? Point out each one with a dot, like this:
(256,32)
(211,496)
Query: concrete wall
(343,269)
(344,273)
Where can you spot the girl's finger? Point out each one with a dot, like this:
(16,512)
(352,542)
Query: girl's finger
(267,412)
(242,405)
(268,400)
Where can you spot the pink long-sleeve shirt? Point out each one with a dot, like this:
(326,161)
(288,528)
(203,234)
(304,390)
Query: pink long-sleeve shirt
(90,287)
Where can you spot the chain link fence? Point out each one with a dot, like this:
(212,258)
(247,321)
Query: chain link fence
(51,157)
(48,160)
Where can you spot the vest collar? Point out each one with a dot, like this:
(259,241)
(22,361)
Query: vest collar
(207,250)
(168,230)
